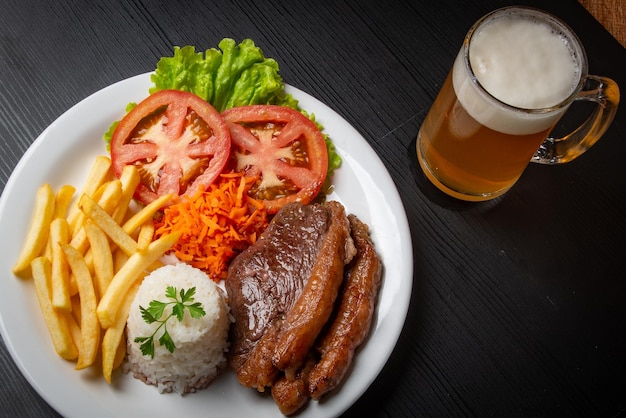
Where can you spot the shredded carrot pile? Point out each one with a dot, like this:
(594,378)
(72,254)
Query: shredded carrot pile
(216,224)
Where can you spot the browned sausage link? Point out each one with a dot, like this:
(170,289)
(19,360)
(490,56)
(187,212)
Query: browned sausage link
(258,371)
(354,315)
(311,311)
(292,395)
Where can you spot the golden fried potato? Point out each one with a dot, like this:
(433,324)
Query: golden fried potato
(89,325)
(106,198)
(119,259)
(39,230)
(131,271)
(145,214)
(108,195)
(56,321)
(102,257)
(146,233)
(87,257)
(100,173)
(130,180)
(60,234)
(114,335)
(101,218)
(62,200)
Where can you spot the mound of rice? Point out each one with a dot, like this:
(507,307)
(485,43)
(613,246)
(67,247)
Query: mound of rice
(200,343)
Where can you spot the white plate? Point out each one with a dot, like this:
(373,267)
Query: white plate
(63,154)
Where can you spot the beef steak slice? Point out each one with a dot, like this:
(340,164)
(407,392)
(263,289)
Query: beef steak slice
(286,283)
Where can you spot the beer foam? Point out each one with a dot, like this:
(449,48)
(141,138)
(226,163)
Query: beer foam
(523,63)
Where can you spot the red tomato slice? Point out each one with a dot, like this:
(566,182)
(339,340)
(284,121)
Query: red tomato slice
(283,148)
(178,141)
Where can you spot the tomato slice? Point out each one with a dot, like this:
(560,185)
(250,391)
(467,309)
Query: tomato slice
(178,141)
(283,148)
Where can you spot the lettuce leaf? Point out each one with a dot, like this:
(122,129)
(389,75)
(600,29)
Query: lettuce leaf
(238,75)
(233,75)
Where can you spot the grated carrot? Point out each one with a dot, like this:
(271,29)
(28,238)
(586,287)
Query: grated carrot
(216,224)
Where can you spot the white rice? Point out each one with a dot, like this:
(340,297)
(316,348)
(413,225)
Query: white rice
(200,343)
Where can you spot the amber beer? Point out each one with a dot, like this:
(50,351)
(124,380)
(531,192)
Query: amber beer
(469,160)
(510,83)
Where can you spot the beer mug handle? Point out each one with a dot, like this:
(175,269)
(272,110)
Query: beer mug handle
(605,93)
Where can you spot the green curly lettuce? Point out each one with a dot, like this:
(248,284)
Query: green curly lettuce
(233,75)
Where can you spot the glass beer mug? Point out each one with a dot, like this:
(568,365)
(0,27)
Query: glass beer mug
(517,73)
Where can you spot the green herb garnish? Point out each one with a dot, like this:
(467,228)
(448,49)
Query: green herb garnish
(155,311)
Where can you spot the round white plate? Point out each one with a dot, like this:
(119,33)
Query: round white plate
(64,153)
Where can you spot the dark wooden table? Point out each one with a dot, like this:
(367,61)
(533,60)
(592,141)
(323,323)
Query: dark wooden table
(611,14)
(518,308)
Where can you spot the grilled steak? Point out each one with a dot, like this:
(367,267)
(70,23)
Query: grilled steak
(296,265)
(330,359)
(303,298)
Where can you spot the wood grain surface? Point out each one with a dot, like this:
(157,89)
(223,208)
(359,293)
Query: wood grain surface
(516,307)
(611,14)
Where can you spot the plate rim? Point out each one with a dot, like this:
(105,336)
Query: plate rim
(392,196)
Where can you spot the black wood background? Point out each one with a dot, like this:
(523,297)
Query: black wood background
(518,307)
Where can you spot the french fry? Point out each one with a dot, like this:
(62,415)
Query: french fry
(145,214)
(89,325)
(119,259)
(111,196)
(39,230)
(94,212)
(76,307)
(73,286)
(56,321)
(120,354)
(146,233)
(106,197)
(74,328)
(62,200)
(99,174)
(47,249)
(60,283)
(102,256)
(113,336)
(130,180)
(87,265)
(108,308)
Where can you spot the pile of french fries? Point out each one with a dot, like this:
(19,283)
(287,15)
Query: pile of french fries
(87,257)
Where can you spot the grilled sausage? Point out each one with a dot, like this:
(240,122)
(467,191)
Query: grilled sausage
(354,315)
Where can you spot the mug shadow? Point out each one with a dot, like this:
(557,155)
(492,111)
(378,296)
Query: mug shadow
(436,196)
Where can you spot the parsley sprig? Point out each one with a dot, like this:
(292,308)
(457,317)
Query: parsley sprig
(155,310)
